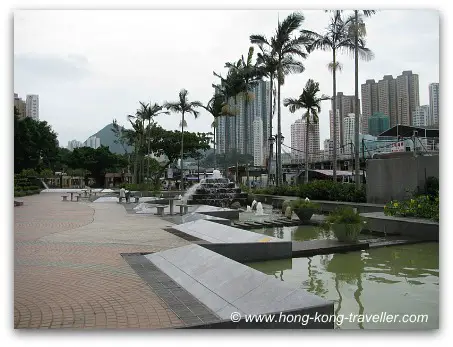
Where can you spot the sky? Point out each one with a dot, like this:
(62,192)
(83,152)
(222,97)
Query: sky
(90,67)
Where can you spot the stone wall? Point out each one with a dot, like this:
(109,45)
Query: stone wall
(398,178)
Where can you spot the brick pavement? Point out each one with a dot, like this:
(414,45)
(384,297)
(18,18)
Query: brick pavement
(68,271)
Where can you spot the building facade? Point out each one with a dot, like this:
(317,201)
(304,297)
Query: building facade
(421,116)
(20,106)
(378,123)
(32,106)
(345,104)
(93,142)
(387,101)
(370,102)
(433,104)
(338,127)
(407,95)
(74,144)
(348,131)
(298,145)
(258,143)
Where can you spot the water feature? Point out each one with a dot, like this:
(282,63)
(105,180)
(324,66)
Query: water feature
(254,202)
(215,191)
(259,209)
(249,209)
(397,280)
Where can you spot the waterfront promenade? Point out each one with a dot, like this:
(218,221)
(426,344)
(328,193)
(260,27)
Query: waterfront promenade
(68,269)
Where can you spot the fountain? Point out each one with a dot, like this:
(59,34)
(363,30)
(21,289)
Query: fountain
(215,191)
(259,209)
(248,209)
(254,205)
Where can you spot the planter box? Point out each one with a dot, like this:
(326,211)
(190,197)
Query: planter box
(305,214)
(347,232)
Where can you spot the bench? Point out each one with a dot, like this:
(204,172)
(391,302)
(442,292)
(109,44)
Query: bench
(137,198)
(65,197)
(77,198)
(183,209)
(160,210)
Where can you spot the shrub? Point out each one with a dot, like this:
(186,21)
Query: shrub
(303,203)
(344,215)
(285,204)
(432,186)
(422,206)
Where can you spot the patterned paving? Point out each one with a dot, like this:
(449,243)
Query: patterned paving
(69,272)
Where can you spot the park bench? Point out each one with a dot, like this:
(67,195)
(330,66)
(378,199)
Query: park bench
(65,197)
(77,198)
(183,209)
(160,209)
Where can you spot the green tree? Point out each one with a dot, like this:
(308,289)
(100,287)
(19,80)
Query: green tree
(311,102)
(336,38)
(183,106)
(285,45)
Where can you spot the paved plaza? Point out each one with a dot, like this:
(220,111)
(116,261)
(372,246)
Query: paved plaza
(68,268)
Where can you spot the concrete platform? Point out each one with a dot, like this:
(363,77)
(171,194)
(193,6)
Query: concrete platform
(238,244)
(422,229)
(225,286)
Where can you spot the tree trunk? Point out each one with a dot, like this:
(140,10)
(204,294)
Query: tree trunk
(270,135)
(236,146)
(306,148)
(215,153)
(334,114)
(182,152)
(246,135)
(279,135)
(149,146)
(356,121)
(135,180)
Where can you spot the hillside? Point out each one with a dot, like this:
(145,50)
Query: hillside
(108,139)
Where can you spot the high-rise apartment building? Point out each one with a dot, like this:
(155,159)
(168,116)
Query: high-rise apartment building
(378,123)
(258,143)
(298,134)
(407,96)
(32,106)
(370,102)
(421,116)
(433,104)
(74,144)
(20,106)
(348,131)
(345,104)
(387,102)
(328,149)
(237,132)
(93,142)
(338,127)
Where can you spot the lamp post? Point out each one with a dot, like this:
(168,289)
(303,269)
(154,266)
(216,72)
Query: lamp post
(271,144)
(282,138)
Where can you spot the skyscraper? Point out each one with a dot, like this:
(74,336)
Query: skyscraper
(298,133)
(345,105)
(32,106)
(407,95)
(433,104)
(238,131)
(378,123)
(348,131)
(93,142)
(74,144)
(370,102)
(387,102)
(20,106)
(258,143)
(421,116)
(338,127)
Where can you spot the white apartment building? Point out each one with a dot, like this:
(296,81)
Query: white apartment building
(74,144)
(93,142)
(421,116)
(298,133)
(348,131)
(338,127)
(433,104)
(258,144)
(32,106)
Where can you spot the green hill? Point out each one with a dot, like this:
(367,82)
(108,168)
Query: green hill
(108,139)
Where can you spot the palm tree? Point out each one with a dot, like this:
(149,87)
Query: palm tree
(285,46)
(216,107)
(148,112)
(138,132)
(337,39)
(309,101)
(359,32)
(248,74)
(183,106)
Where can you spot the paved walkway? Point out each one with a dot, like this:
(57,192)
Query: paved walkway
(68,269)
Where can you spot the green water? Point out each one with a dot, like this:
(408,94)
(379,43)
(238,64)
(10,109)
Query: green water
(301,233)
(397,280)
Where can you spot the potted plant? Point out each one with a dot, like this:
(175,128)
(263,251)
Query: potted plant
(346,224)
(304,209)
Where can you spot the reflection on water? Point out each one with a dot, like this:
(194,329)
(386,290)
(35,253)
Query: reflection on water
(397,280)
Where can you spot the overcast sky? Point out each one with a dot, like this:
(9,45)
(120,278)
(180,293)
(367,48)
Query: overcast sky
(90,67)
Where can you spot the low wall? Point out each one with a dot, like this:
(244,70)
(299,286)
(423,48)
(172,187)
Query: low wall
(325,206)
(418,228)
(248,252)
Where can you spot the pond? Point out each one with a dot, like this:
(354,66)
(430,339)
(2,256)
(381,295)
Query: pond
(396,280)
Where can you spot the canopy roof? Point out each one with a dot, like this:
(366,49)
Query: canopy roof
(408,131)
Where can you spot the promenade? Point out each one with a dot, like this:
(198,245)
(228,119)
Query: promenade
(68,269)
